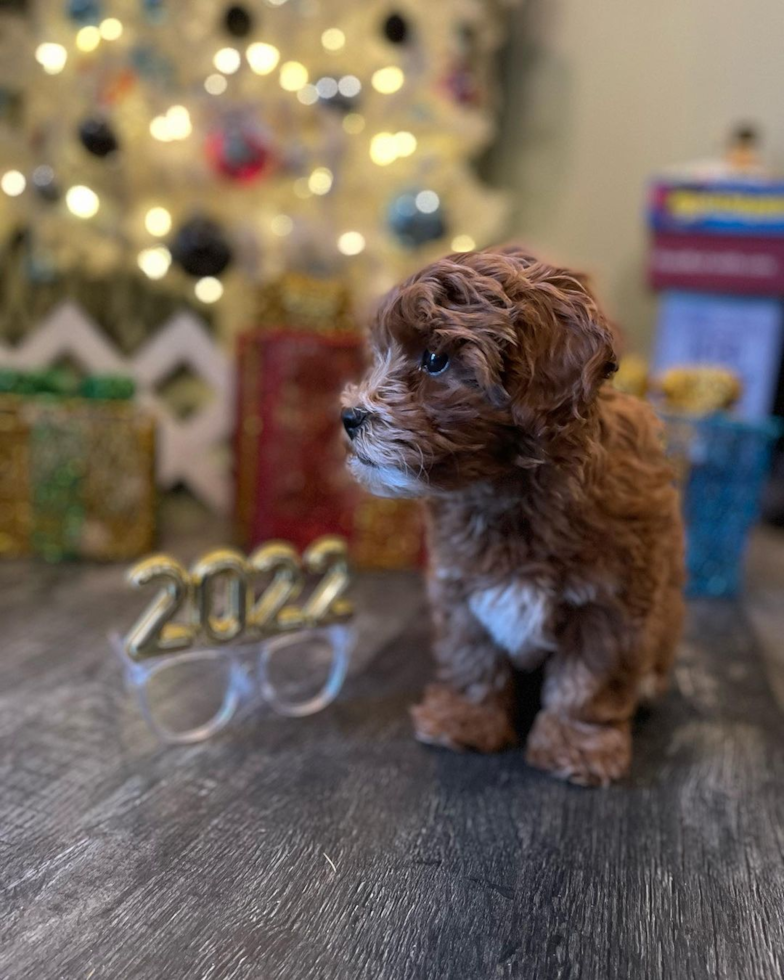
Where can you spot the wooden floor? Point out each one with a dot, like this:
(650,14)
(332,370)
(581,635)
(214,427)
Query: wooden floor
(337,847)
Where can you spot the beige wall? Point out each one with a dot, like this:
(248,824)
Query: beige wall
(601,93)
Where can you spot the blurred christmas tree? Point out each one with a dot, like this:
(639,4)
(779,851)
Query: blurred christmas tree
(155,151)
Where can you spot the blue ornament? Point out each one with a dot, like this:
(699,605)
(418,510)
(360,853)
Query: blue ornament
(148,62)
(84,11)
(416,218)
(155,10)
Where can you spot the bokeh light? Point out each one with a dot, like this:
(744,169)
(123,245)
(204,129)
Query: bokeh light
(216,84)
(293,75)
(333,39)
(227,60)
(111,29)
(262,58)
(158,221)
(51,57)
(88,38)
(208,290)
(320,181)
(82,201)
(351,243)
(463,243)
(388,80)
(13,183)
(154,262)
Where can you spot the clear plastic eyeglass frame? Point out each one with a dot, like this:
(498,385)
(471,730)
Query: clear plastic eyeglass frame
(295,673)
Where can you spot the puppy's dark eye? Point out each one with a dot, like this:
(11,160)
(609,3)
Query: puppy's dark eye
(435,363)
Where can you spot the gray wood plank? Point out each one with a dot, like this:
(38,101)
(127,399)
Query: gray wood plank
(335,846)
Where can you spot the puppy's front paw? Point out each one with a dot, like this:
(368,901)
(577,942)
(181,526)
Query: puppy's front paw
(449,719)
(589,755)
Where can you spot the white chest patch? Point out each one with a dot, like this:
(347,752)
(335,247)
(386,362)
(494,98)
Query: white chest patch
(517,616)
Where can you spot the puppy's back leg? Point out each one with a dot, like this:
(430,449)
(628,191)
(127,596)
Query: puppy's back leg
(666,628)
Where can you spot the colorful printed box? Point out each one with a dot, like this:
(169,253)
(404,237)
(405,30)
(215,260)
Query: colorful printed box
(717,236)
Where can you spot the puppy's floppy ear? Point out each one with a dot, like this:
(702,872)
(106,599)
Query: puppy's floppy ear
(567,348)
(589,356)
(593,347)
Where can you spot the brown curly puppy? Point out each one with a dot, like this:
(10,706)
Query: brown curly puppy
(554,528)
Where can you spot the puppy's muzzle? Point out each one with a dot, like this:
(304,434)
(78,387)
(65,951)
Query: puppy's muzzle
(353,420)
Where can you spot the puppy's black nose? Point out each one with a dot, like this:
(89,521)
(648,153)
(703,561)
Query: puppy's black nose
(352,420)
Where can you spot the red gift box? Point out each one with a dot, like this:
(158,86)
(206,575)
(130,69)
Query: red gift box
(291,478)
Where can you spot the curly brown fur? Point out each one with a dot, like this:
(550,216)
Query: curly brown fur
(554,529)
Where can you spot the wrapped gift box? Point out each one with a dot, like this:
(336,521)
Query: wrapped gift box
(291,477)
(76,476)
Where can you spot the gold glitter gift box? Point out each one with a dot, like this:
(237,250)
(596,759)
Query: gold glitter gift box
(76,477)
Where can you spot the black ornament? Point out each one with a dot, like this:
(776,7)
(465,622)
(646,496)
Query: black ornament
(200,248)
(396,29)
(238,21)
(98,137)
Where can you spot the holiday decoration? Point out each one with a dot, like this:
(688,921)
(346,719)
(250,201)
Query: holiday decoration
(45,185)
(462,86)
(189,441)
(301,302)
(293,135)
(396,29)
(238,21)
(149,63)
(466,80)
(291,480)
(290,477)
(239,152)
(416,218)
(76,472)
(84,12)
(200,248)
(249,615)
(154,9)
(340,94)
(699,389)
(98,137)
(295,635)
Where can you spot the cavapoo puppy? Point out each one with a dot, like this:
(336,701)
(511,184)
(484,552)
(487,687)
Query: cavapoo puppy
(553,526)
